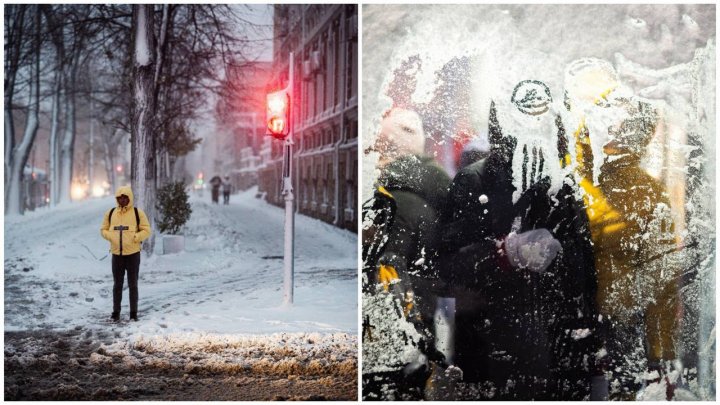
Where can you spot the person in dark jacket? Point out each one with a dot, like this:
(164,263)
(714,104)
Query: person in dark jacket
(416,187)
(477,149)
(215,183)
(517,255)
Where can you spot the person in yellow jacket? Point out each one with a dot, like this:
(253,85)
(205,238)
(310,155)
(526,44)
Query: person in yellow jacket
(125,227)
(631,228)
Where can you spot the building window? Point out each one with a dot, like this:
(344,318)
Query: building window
(318,175)
(324,191)
(353,129)
(319,83)
(351,68)
(337,53)
(316,194)
(297,89)
(306,92)
(306,185)
(352,198)
(310,101)
(331,184)
(329,51)
(343,185)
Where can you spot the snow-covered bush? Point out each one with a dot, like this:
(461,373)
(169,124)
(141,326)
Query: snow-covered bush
(173,207)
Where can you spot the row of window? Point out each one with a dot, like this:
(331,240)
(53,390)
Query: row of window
(318,187)
(328,136)
(327,65)
(318,139)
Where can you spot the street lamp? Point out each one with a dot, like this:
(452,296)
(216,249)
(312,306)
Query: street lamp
(278,109)
(279,126)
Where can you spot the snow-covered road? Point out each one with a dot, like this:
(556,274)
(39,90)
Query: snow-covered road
(212,324)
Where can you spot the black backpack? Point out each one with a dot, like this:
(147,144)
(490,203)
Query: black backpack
(137,217)
(378,216)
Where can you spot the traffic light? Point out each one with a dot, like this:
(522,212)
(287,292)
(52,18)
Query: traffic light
(278,114)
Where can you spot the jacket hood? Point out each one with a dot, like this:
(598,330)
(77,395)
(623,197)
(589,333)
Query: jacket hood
(417,174)
(128,192)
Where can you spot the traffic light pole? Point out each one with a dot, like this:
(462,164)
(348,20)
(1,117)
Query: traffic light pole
(289,256)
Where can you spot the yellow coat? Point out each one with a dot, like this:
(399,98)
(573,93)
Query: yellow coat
(633,242)
(125,216)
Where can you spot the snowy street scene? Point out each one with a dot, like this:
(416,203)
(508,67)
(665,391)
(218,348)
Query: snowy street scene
(181,202)
(212,321)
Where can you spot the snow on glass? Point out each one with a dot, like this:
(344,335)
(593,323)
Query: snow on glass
(612,101)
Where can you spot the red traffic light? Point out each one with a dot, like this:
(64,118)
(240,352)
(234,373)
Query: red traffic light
(278,112)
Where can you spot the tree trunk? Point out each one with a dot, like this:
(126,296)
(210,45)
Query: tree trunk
(54,128)
(160,167)
(14,25)
(22,151)
(177,169)
(161,51)
(9,141)
(68,146)
(110,147)
(53,18)
(143,171)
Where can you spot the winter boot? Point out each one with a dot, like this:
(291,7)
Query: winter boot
(115,316)
(133,316)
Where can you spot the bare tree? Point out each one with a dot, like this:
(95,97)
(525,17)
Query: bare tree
(83,43)
(15,34)
(202,47)
(143,111)
(56,34)
(151,89)
(111,138)
(19,154)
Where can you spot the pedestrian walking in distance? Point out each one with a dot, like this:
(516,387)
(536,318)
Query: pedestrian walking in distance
(125,227)
(226,188)
(215,182)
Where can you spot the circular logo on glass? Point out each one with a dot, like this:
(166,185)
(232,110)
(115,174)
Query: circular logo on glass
(532,97)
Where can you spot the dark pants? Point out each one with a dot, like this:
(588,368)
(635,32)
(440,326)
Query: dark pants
(226,197)
(120,264)
(626,343)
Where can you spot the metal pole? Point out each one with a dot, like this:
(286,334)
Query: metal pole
(289,257)
(92,141)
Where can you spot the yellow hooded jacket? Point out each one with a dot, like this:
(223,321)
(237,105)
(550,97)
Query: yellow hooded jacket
(633,240)
(125,216)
